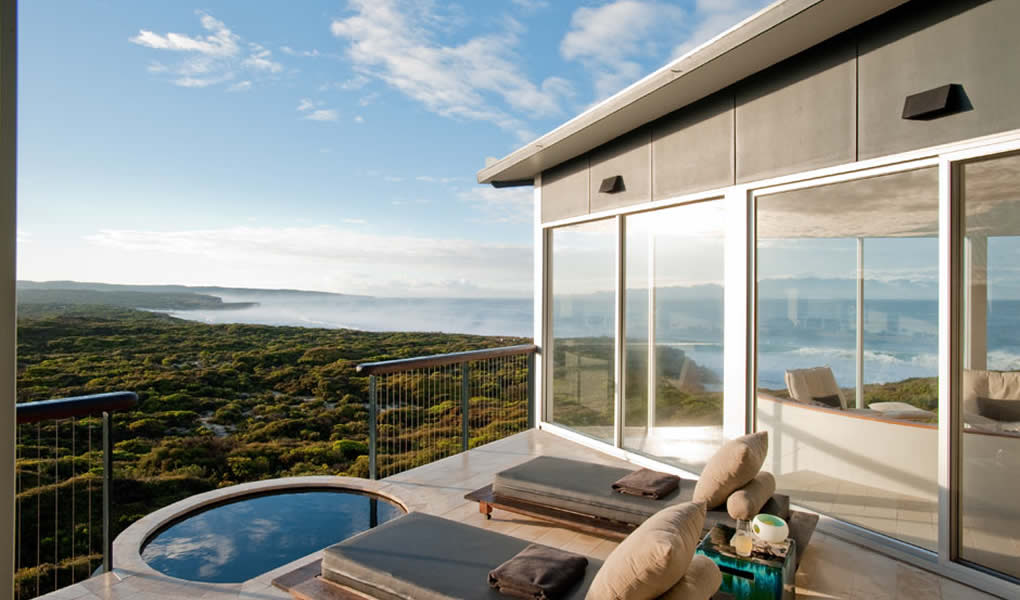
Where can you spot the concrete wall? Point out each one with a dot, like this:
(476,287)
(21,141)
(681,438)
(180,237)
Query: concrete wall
(899,458)
(836,103)
(8,148)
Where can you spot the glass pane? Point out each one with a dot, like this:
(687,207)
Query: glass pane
(582,329)
(675,324)
(847,284)
(990,462)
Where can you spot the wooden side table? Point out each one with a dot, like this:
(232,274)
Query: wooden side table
(755,577)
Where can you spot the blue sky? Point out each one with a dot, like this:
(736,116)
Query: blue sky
(313,145)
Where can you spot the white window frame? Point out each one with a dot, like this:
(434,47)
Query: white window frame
(740,326)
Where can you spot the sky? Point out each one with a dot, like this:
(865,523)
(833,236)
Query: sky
(321,145)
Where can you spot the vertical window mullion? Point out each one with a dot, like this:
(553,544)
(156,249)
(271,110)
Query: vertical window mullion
(621,339)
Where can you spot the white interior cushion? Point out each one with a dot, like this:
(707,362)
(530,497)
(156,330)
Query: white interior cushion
(901,410)
(805,385)
(999,385)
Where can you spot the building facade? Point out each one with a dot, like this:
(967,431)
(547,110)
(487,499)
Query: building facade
(810,226)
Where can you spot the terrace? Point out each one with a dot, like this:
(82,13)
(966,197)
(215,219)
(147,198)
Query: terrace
(832,568)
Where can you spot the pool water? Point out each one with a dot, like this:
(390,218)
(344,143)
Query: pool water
(244,538)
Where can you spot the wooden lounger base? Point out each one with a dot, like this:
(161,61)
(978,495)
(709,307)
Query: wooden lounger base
(600,526)
(306,584)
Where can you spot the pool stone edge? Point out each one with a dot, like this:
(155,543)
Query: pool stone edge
(127,547)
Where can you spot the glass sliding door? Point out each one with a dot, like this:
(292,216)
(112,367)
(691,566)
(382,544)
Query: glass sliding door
(582,328)
(989,453)
(847,349)
(673,400)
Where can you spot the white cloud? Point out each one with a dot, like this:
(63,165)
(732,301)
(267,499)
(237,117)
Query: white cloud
(359,119)
(479,79)
(210,59)
(506,205)
(355,221)
(325,257)
(355,83)
(260,59)
(611,39)
(240,86)
(221,41)
(292,52)
(322,114)
(313,113)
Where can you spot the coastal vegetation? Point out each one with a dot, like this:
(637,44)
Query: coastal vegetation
(218,405)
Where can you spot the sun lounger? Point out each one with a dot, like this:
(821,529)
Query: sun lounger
(421,557)
(579,495)
(427,558)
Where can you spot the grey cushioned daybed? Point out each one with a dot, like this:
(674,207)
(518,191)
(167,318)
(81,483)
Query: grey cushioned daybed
(422,557)
(550,484)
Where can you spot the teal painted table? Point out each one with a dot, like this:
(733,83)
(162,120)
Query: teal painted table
(755,577)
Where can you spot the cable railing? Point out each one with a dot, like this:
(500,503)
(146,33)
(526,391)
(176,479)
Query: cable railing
(427,408)
(64,476)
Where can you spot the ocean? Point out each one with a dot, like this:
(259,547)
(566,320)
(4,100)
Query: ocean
(900,336)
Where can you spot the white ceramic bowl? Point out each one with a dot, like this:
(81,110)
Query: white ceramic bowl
(770,528)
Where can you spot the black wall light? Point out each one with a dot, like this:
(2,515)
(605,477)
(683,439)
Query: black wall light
(612,185)
(937,102)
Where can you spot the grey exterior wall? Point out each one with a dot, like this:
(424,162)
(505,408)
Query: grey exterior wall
(692,150)
(565,190)
(800,114)
(973,44)
(836,103)
(629,157)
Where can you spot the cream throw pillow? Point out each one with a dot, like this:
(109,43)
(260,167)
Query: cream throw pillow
(653,558)
(732,467)
(746,502)
(700,582)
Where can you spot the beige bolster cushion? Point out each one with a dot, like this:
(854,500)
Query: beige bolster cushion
(653,557)
(732,467)
(700,582)
(746,502)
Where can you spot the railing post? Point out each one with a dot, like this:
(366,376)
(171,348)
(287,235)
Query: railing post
(465,402)
(532,417)
(107,491)
(373,412)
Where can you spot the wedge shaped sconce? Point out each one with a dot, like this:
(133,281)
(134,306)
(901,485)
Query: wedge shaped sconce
(611,185)
(936,102)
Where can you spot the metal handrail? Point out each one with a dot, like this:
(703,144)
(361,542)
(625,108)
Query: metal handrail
(439,360)
(77,406)
(463,359)
(81,406)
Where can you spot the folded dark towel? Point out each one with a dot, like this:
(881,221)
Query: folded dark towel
(647,483)
(538,572)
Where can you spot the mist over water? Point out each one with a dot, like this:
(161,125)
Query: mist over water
(481,316)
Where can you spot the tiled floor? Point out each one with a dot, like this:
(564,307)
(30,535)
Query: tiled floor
(831,568)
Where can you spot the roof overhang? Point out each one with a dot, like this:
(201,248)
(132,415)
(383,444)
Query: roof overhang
(774,34)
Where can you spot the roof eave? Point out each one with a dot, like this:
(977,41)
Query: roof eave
(774,34)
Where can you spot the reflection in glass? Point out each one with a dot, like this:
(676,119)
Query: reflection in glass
(582,328)
(990,393)
(674,327)
(847,348)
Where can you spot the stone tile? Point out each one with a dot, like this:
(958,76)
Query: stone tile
(831,568)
